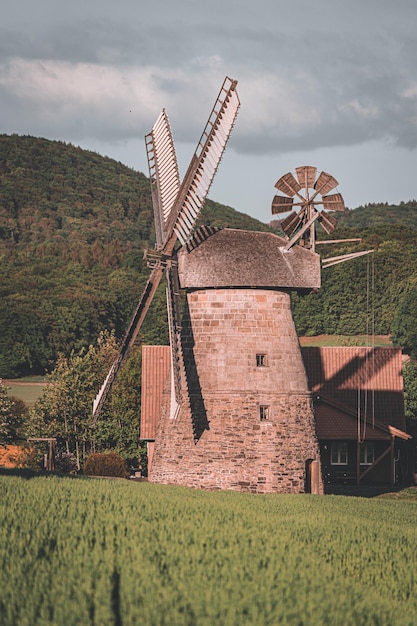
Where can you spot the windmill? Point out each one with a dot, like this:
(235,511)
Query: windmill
(307,193)
(247,421)
(238,412)
(308,201)
(176,209)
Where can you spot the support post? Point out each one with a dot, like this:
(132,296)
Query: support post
(358,462)
(315,477)
(392,465)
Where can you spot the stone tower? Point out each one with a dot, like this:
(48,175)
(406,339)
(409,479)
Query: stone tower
(245,421)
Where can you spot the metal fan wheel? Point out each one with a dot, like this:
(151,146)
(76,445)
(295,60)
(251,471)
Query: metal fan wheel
(304,192)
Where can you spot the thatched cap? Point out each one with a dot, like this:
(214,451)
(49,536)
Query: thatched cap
(243,258)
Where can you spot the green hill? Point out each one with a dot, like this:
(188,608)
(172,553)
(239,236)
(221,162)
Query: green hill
(368,295)
(381,216)
(73,228)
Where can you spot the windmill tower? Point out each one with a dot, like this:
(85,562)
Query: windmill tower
(246,420)
(237,412)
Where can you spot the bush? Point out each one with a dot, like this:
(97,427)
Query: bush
(106,464)
(32,458)
(66,463)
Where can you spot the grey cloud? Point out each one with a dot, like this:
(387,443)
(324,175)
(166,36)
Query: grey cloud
(341,62)
(91,41)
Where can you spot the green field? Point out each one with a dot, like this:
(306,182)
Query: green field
(346,340)
(27,389)
(94,551)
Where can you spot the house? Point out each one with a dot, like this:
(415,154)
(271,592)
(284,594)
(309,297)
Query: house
(358,401)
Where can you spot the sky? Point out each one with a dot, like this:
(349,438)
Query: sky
(328,83)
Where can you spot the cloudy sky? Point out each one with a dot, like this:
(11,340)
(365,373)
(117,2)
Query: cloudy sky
(330,83)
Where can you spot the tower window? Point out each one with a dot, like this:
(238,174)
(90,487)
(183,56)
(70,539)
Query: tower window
(264,412)
(261,360)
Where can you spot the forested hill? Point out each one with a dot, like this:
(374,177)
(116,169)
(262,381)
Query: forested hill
(73,227)
(381,216)
(372,294)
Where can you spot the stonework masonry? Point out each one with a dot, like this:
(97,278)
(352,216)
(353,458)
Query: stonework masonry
(246,420)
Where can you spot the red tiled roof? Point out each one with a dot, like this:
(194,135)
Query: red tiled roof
(349,374)
(156,362)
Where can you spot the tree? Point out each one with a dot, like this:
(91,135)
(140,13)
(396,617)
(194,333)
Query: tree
(125,409)
(410,389)
(12,412)
(65,409)
(404,327)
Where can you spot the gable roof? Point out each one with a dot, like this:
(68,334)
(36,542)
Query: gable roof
(337,421)
(372,376)
(156,364)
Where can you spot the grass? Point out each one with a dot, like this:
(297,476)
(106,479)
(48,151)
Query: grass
(28,389)
(88,551)
(409,494)
(28,392)
(346,340)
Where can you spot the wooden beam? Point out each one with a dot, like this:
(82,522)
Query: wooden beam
(392,477)
(358,462)
(381,456)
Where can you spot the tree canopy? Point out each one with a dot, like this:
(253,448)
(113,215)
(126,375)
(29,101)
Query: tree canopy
(64,411)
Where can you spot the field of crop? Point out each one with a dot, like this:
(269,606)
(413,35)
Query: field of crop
(95,551)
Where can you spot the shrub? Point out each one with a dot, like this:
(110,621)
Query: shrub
(32,458)
(66,463)
(106,464)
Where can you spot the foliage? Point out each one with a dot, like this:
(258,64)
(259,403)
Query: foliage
(381,215)
(86,551)
(410,389)
(32,457)
(404,327)
(361,296)
(120,430)
(65,409)
(12,417)
(106,464)
(65,463)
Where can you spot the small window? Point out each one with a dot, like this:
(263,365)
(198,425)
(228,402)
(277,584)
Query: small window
(263,412)
(261,360)
(367,453)
(339,453)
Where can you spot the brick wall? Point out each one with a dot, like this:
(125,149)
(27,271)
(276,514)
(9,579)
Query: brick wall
(218,440)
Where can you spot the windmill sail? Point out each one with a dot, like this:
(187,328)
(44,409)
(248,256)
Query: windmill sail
(176,207)
(174,321)
(206,160)
(129,338)
(306,176)
(163,173)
